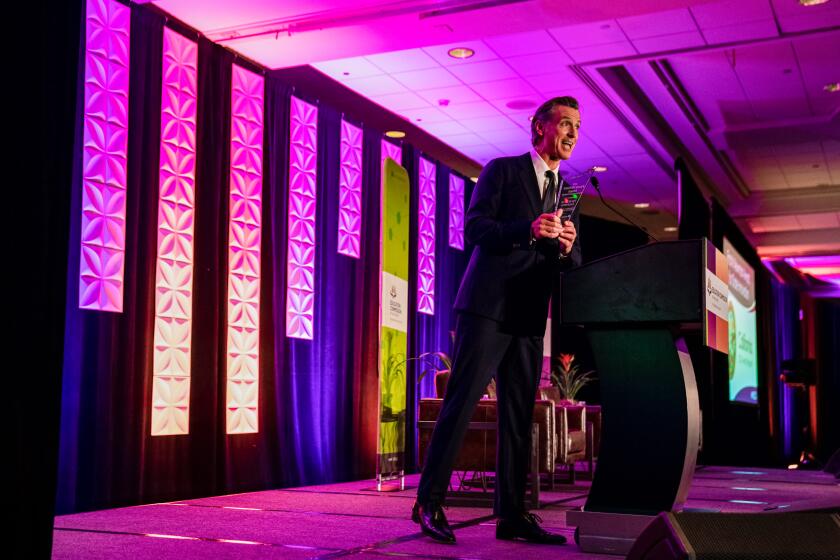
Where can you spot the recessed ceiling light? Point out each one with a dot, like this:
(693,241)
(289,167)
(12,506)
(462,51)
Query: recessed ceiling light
(812,2)
(599,168)
(641,205)
(395,134)
(671,228)
(460,52)
(832,87)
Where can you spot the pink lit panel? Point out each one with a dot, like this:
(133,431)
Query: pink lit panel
(300,268)
(175,239)
(426,239)
(104,156)
(824,267)
(456,212)
(350,191)
(244,235)
(392,151)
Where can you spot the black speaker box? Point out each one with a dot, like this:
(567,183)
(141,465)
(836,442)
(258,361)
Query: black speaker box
(739,536)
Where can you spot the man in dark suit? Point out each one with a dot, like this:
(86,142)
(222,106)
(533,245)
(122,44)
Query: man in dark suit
(521,245)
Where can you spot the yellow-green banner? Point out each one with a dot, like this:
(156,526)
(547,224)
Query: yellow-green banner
(393,321)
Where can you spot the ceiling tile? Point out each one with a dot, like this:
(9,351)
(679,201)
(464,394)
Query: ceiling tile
(822,220)
(471,110)
(817,177)
(777,182)
(721,101)
(767,224)
(658,23)
(539,64)
(602,52)
(530,42)
(467,140)
(425,115)
(402,61)
(443,128)
(769,76)
(561,78)
(491,123)
(375,85)
(588,34)
(430,78)
(348,68)
(794,17)
(818,61)
(729,12)
(514,87)
(746,31)
(440,53)
(456,95)
(399,101)
(480,72)
(669,42)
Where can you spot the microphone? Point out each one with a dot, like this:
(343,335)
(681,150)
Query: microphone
(596,184)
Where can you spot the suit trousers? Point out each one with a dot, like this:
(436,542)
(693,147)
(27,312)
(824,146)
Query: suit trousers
(481,351)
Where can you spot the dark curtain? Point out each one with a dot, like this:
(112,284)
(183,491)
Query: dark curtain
(318,410)
(783,330)
(431,333)
(827,332)
(106,355)
(107,455)
(326,389)
(42,155)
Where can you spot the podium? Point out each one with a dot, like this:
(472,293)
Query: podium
(635,306)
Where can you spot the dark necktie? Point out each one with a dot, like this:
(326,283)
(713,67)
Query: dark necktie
(550,195)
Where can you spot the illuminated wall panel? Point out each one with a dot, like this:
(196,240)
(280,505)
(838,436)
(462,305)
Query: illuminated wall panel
(174,269)
(300,266)
(350,191)
(244,235)
(104,155)
(391,150)
(426,239)
(456,212)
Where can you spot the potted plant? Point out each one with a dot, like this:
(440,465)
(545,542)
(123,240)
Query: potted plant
(441,362)
(568,378)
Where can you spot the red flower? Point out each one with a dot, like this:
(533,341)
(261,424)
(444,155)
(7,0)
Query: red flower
(566,361)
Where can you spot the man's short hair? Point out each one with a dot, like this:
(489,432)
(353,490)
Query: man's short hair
(544,111)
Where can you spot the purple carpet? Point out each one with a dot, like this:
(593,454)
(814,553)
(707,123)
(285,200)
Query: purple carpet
(349,520)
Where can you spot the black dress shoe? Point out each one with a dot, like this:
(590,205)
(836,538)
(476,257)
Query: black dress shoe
(432,521)
(525,526)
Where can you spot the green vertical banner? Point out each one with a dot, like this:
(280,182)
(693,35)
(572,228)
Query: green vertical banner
(393,323)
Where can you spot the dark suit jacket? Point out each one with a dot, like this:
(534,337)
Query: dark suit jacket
(508,279)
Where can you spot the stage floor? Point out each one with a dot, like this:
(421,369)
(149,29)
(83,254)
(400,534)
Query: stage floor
(349,520)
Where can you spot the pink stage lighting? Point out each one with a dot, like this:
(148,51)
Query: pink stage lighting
(350,191)
(456,212)
(300,271)
(426,239)
(825,267)
(104,156)
(175,239)
(244,236)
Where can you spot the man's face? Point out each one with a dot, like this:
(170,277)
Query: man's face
(560,133)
